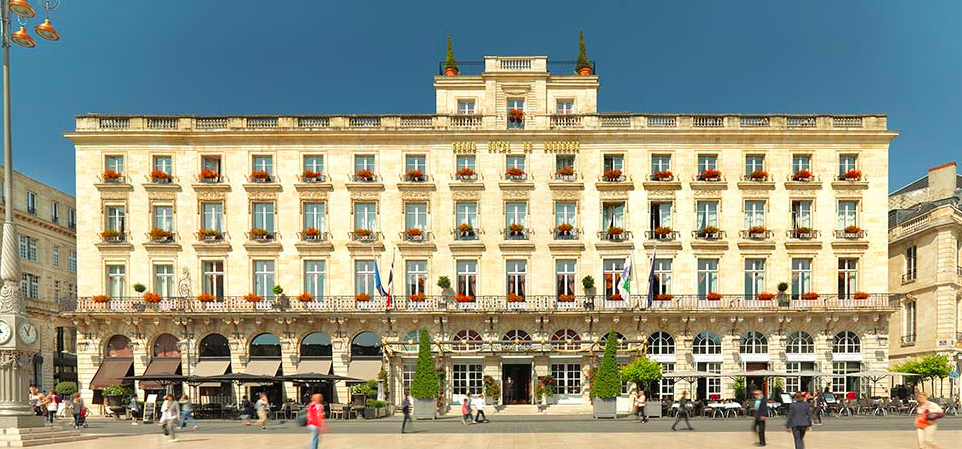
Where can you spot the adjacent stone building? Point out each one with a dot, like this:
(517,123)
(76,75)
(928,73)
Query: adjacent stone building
(514,191)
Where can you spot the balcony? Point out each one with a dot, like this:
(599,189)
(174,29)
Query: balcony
(662,235)
(466,233)
(261,236)
(160,236)
(114,237)
(364,236)
(709,233)
(802,234)
(416,235)
(566,232)
(614,234)
(566,121)
(313,235)
(211,236)
(516,232)
(756,234)
(850,234)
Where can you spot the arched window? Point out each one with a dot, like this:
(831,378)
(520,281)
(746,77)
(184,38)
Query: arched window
(265,345)
(411,340)
(366,344)
(846,343)
(800,343)
(566,339)
(119,346)
(661,343)
(316,346)
(214,345)
(467,339)
(622,341)
(165,346)
(754,343)
(706,343)
(516,339)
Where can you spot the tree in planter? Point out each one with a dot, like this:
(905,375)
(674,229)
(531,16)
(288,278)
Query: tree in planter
(583,66)
(139,288)
(65,389)
(588,283)
(425,383)
(607,382)
(444,282)
(450,65)
(641,371)
(739,387)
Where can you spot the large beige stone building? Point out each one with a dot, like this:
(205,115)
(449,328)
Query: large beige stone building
(46,220)
(514,190)
(925,267)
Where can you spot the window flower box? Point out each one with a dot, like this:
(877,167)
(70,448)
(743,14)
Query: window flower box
(615,233)
(205,297)
(809,296)
(209,235)
(466,174)
(758,175)
(417,297)
(710,175)
(852,175)
(160,177)
(564,229)
(852,232)
(312,176)
(100,299)
(305,297)
(663,175)
(209,176)
(414,235)
(111,236)
(662,232)
(803,232)
(312,234)
(260,176)
(465,230)
(161,235)
(515,116)
(463,298)
(712,296)
(516,229)
(615,297)
(803,176)
(565,174)
(709,232)
(364,235)
(664,297)
(765,296)
(515,174)
(414,176)
(364,175)
(112,176)
(860,295)
(362,297)
(261,235)
(613,175)
(252,297)
(566,298)
(757,232)
(152,298)
(514,297)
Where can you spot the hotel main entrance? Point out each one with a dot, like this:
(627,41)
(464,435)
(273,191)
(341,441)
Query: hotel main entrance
(516,383)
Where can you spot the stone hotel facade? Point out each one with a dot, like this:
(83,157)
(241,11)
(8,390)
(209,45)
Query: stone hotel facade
(514,191)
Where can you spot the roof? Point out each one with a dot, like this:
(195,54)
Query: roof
(923,183)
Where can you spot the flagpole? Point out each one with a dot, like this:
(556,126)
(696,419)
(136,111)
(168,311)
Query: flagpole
(634,267)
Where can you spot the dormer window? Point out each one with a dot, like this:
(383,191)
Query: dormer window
(466,107)
(565,107)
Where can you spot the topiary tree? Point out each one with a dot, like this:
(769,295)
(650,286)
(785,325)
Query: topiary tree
(583,62)
(449,62)
(444,282)
(425,384)
(66,388)
(607,383)
(641,371)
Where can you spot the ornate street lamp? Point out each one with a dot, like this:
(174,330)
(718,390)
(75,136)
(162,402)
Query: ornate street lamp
(21,342)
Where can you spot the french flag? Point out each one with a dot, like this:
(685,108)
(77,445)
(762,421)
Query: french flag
(390,282)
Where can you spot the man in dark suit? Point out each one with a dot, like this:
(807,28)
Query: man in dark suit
(799,420)
(761,415)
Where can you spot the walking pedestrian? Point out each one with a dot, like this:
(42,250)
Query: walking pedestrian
(798,420)
(465,411)
(134,410)
(641,402)
(169,416)
(761,416)
(315,419)
(262,406)
(406,409)
(35,400)
(53,401)
(76,408)
(682,412)
(479,415)
(927,413)
(817,404)
(186,412)
(247,410)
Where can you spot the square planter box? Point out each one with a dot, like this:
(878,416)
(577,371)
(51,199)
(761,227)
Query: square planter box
(425,408)
(653,409)
(605,408)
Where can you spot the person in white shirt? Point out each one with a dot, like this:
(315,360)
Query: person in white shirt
(170,417)
(479,406)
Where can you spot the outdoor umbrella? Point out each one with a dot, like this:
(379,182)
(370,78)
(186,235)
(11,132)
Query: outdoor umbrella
(239,378)
(316,377)
(690,376)
(164,379)
(877,375)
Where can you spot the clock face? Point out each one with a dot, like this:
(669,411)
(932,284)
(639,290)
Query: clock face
(5,332)
(28,333)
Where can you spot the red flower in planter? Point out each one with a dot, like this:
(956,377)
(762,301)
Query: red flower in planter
(209,175)
(109,234)
(261,175)
(365,175)
(662,231)
(151,298)
(809,296)
(566,298)
(802,175)
(852,175)
(514,171)
(860,295)
(515,228)
(712,296)
(461,297)
(709,175)
(417,297)
(566,171)
(159,234)
(205,297)
(615,231)
(465,172)
(362,232)
(465,228)
(516,114)
(612,175)
(414,232)
(765,296)
(305,297)
(513,297)
(664,175)
(564,227)
(758,175)
(362,297)
(100,299)
(112,175)
(311,174)
(852,229)
(615,297)
(414,175)
(259,232)
(312,232)
(159,175)
(252,297)
(664,297)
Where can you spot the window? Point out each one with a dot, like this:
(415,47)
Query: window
(794,384)
(164,218)
(314,163)
(614,162)
(116,218)
(466,213)
(566,339)
(846,163)
(754,277)
(515,162)
(416,216)
(211,163)
(71,218)
(801,277)
(213,216)
(565,275)
(115,163)
(116,281)
(800,343)
(407,376)
(264,278)
(164,164)
(909,322)
(55,212)
(264,163)
(754,214)
(516,275)
(30,285)
(519,340)
(707,214)
(706,343)
(31,203)
(612,269)
(660,215)
(72,261)
(847,277)
(707,277)
(56,256)
(417,276)
(263,216)
(846,342)
(801,214)
(568,376)
(314,214)
(365,216)
(56,291)
(415,162)
(753,163)
(842,383)
(213,283)
(28,248)
(466,107)
(613,215)
(467,379)
(164,280)
(468,339)
(707,162)
(666,387)
(660,163)
(363,162)
(315,272)
(661,343)
(467,277)
(662,281)
(515,213)
(753,343)
(801,162)
(465,161)
(712,384)
(847,215)
(565,212)
(911,263)
(364,281)
(515,104)
(564,107)
(564,161)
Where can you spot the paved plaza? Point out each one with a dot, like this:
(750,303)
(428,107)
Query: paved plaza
(525,432)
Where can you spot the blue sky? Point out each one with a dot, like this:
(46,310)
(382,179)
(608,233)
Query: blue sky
(207,57)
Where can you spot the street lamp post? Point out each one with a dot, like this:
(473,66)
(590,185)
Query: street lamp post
(19,336)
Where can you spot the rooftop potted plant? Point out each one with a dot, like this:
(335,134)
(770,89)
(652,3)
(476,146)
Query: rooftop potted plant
(208,175)
(803,176)
(160,235)
(159,177)
(252,297)
(758,175)
(662,175)
(364,175)
(613,175)
(606,386)
(425,385)
(151,298)
(465,174)
(712,296)
(260,176)
(312,176)
(710,175)
(450,65)
(809,296)
(852,175)
(362,297)
(583,65)
(305,297)
(112,176)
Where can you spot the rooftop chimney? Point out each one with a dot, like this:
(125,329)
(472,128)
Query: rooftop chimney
(942,181)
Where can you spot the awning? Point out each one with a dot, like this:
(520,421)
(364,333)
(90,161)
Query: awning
(261,367)
(206,368)
(157,366)
(111,372)
(314,366)
(364,369)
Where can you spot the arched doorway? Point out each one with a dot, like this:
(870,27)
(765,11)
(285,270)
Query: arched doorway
(707,354)
(214,360)
(118,362)
(317,354)
(264,351)
(165,359)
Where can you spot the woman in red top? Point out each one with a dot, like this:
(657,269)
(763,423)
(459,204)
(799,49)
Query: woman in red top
(315,418)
